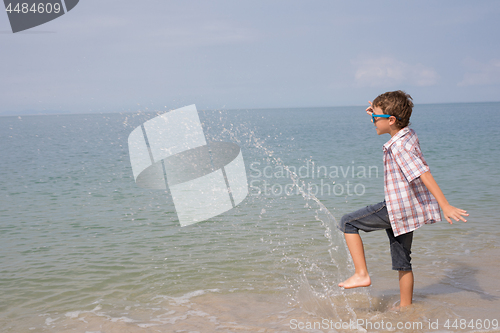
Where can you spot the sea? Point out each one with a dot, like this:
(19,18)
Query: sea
(83,248)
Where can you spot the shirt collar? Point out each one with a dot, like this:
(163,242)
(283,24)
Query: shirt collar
(402,132)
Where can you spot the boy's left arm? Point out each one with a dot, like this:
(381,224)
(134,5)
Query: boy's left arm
(449,211)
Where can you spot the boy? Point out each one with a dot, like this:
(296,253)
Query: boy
(412,196)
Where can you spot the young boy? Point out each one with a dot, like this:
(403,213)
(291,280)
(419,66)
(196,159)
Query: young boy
(412,196)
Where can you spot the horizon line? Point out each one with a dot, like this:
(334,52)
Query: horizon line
(54,112)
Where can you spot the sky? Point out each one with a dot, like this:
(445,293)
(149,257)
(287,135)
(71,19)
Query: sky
(124,56)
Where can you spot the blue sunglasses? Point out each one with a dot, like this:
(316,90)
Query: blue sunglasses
(382,116)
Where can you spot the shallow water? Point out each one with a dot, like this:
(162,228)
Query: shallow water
(456,293)
(84,249)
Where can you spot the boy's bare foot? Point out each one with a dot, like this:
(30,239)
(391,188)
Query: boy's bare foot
(355,281)
(396,307)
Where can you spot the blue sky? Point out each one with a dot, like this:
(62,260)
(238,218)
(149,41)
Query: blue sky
(118,56)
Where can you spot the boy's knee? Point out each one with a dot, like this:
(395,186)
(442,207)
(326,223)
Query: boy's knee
(345,226)
(341,223)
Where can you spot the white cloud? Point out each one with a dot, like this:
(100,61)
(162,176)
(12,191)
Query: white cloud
(385,71)
(479,73)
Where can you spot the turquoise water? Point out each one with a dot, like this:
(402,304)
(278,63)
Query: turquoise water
(83,247)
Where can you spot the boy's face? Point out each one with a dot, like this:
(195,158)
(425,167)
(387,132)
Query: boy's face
(382,125)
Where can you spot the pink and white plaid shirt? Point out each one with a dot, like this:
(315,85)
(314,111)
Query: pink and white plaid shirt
(409,202)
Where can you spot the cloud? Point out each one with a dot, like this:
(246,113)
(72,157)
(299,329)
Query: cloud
(479,73)
(385,71)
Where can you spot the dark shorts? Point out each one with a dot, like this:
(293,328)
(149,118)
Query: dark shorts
(375,217)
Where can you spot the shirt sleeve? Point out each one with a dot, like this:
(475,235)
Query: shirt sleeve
(410,161)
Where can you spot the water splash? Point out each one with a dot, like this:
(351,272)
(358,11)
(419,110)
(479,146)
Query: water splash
(311,278)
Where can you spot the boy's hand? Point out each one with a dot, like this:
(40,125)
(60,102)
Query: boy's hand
(369,109)
(455,213)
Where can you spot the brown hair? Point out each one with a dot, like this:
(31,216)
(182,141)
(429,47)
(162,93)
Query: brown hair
(396,103)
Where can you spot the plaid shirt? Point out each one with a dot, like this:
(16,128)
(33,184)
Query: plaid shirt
(409,202)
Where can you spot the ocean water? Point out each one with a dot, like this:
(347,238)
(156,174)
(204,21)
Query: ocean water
(84,249)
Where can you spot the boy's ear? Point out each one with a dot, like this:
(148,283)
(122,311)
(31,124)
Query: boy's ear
(392,120)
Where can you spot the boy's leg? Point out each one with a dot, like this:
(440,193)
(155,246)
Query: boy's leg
(360,277)
(367,219)
(405,288)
